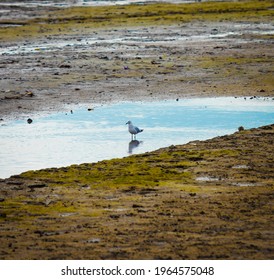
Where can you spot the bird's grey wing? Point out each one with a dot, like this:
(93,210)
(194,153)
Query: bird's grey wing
(138,129)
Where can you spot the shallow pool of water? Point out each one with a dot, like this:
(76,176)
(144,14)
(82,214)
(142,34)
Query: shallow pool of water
(92,135)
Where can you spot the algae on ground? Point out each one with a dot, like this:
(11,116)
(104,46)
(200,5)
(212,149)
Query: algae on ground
(81,19)
(148,206)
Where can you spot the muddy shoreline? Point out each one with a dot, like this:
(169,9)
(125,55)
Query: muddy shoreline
(204,200)
(87,65)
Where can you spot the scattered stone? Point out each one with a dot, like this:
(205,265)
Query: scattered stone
(2,199)
(241,128)
(29,120)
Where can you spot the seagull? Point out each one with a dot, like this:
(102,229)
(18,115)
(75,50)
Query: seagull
(133,129)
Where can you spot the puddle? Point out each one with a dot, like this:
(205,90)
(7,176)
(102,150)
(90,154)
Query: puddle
(70,3)
(207,179)
(243,166)
(93,135)
(109,40)
(245,184)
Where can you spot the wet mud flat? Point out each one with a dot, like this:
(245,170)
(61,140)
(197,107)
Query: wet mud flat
(204,200)
(208,199)
(66,57)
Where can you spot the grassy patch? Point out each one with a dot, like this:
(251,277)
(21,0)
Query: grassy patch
(81,19)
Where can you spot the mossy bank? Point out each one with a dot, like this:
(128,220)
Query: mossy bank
(204,200)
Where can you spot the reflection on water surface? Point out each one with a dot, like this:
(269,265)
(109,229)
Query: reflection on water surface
(91,135)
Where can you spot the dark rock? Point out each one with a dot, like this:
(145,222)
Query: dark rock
(37,186)
(137,206)
(214,31)
(114,216)
(65,66)
(17,183)
(29,120)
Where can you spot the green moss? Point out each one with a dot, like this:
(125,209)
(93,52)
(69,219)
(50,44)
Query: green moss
(80,19)
(219,213)
(140,170)
(19,208)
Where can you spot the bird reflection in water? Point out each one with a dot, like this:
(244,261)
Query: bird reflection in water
(133,144)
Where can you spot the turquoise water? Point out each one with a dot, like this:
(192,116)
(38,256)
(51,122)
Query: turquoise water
(92,135)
